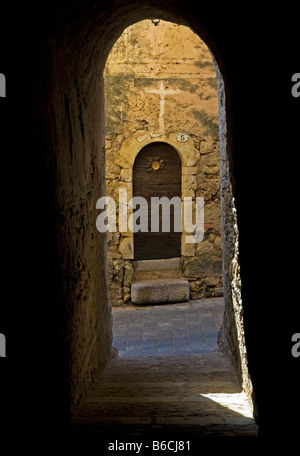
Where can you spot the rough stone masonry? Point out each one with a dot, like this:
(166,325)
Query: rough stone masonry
(161,85)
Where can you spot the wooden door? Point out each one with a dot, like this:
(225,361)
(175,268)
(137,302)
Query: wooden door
(157,172)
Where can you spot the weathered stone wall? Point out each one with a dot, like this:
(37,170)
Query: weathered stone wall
(160,81)
(231,336)
(76,159)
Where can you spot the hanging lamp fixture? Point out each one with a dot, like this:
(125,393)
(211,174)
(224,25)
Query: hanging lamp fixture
(155,21)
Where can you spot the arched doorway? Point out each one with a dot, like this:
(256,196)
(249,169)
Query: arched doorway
(157,173)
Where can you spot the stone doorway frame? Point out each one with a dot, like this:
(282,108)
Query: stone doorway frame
(188,154)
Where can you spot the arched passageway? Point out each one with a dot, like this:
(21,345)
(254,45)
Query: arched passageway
(78,128)
(62,134)
(161,87)
(232,334)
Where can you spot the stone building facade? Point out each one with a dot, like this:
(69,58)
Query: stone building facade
(161,86)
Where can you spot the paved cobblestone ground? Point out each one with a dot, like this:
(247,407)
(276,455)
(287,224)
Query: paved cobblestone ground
(164,330)
(169,378)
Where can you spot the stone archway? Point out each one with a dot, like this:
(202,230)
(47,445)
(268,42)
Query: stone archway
(58,164)
(74,124)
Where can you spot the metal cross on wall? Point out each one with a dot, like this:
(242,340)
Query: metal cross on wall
(163,92)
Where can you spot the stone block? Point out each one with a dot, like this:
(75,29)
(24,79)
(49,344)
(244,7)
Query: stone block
(196,267)
(126,247)
(126,175)
(128,275)
(188,249)
(160,291)
(189,170)
(157,265)
(196,286)
(218,291)
(126,294)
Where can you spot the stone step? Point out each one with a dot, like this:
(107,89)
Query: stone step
(157,274)
(160,290)
(156,265)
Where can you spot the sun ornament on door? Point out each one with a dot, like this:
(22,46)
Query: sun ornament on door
(154,164)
